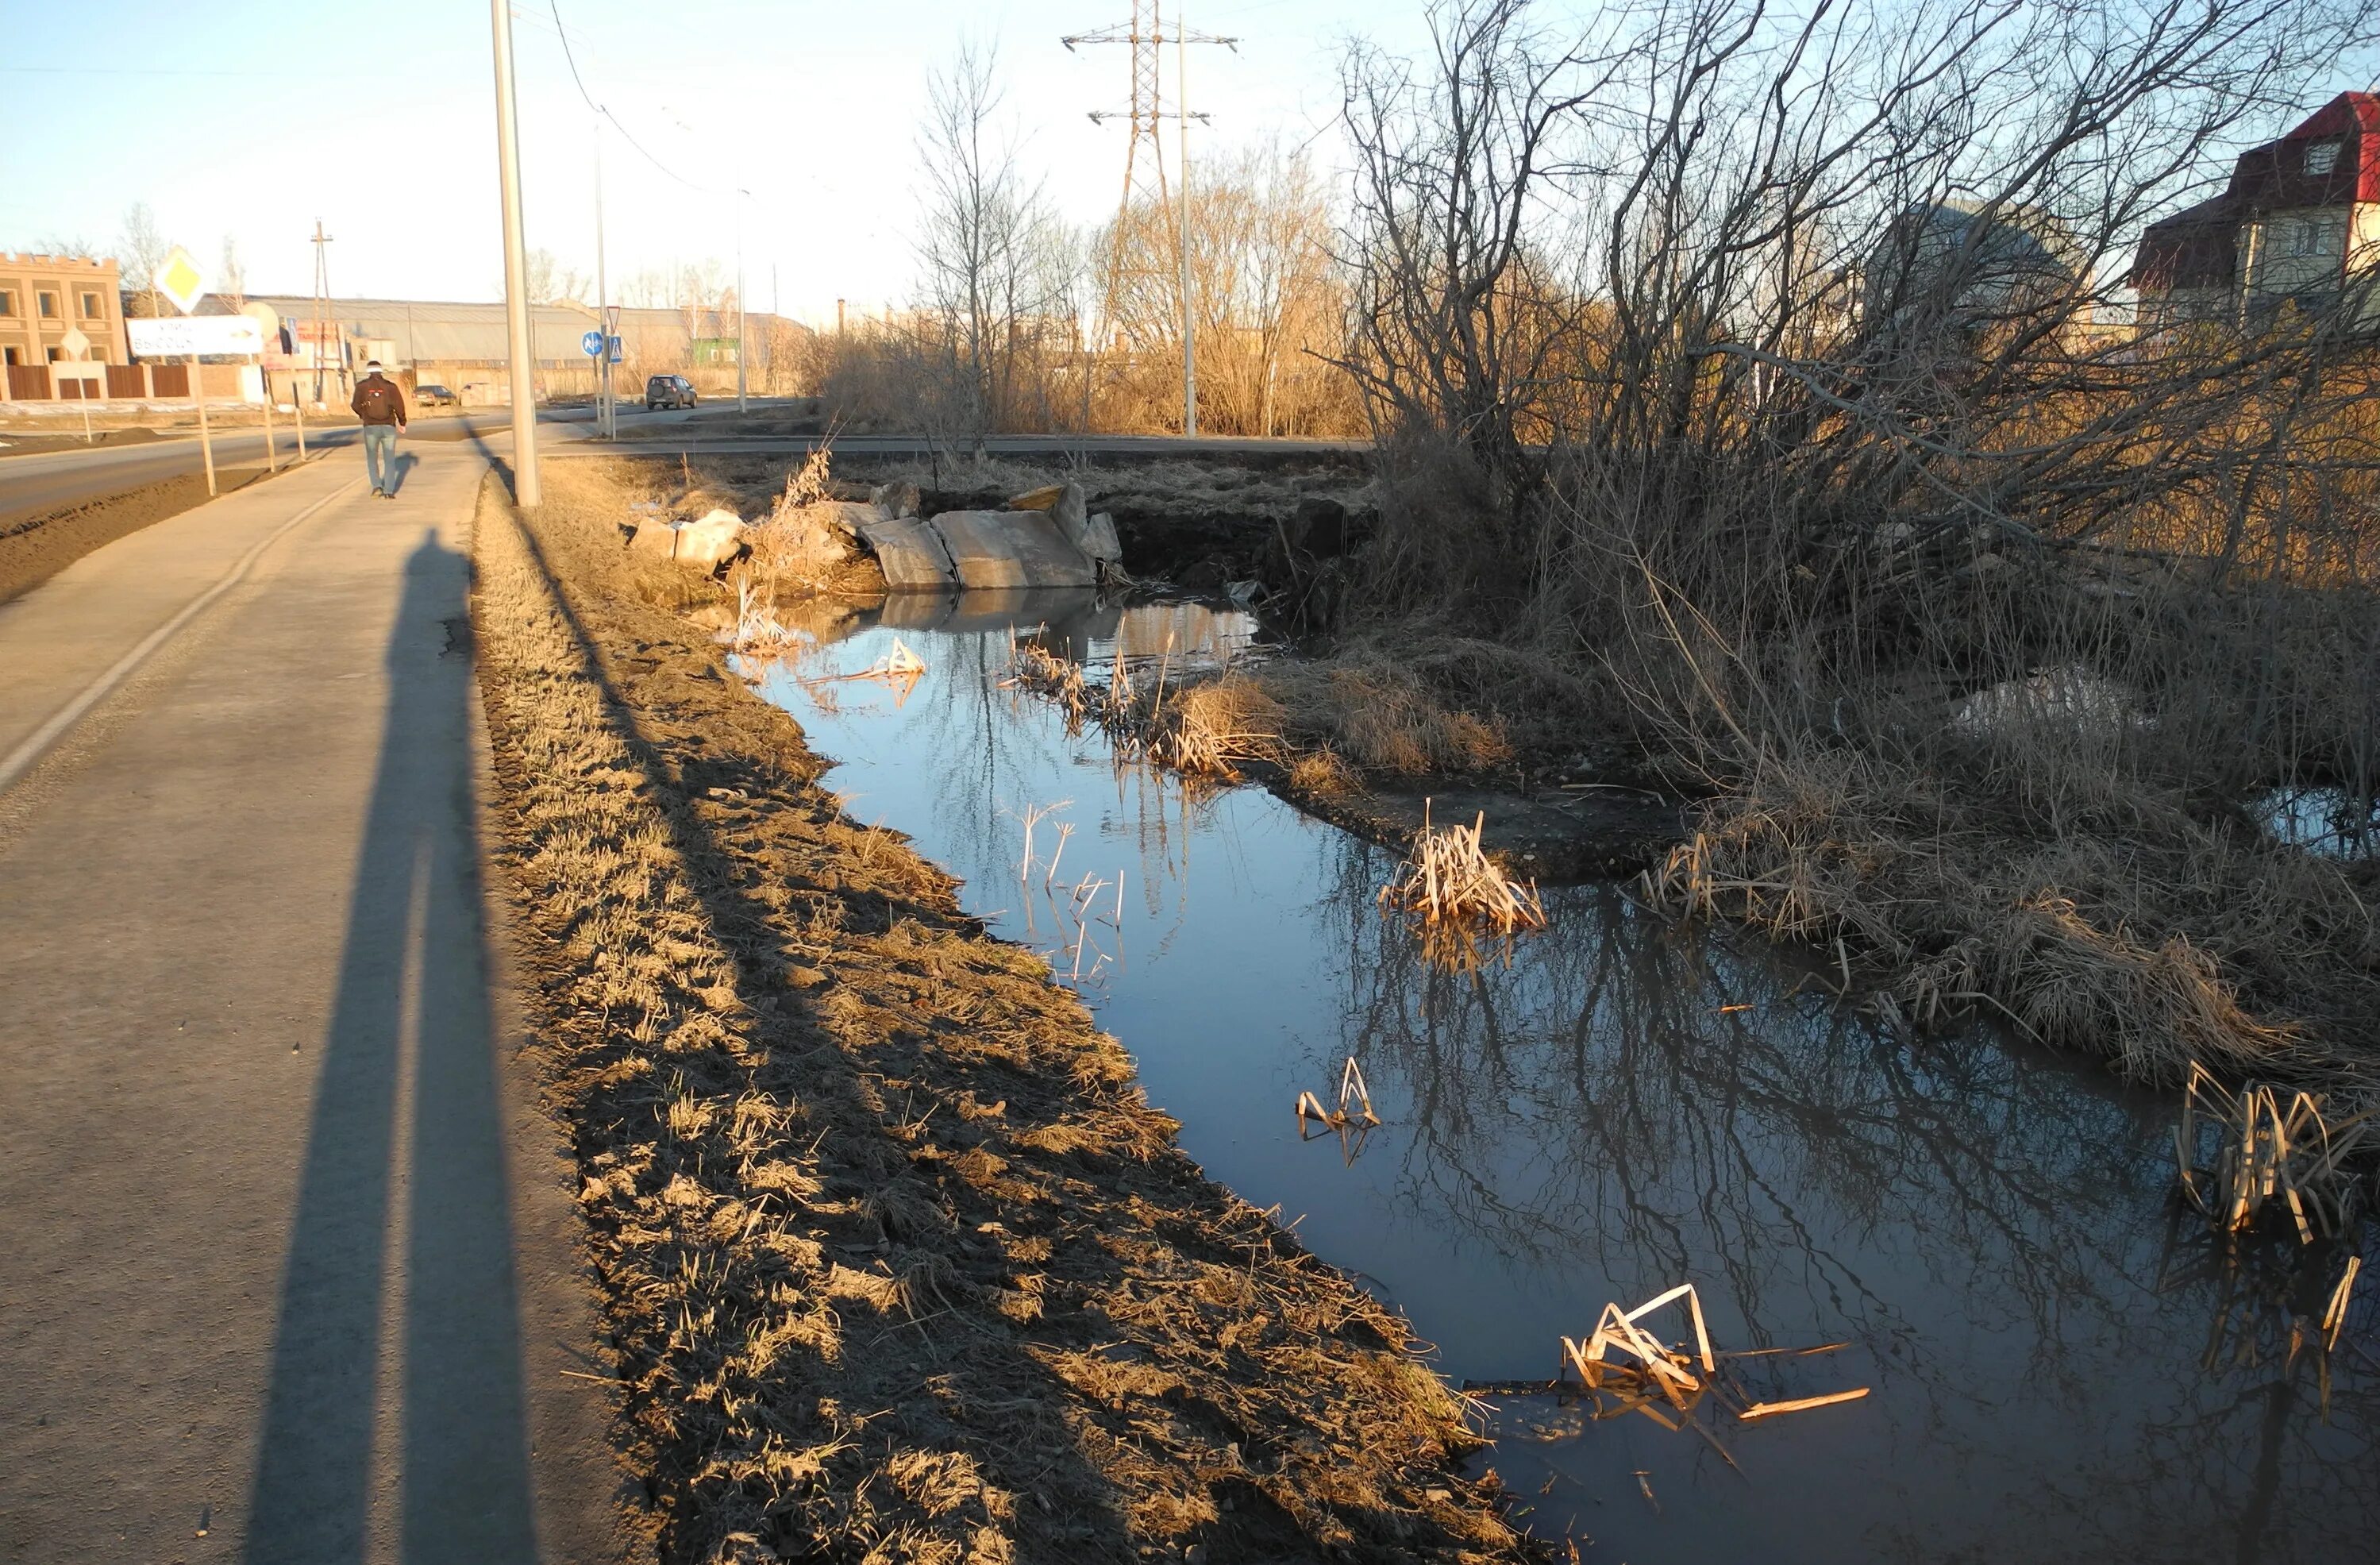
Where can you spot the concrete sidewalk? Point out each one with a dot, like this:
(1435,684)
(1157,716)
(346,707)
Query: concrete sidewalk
(288,1262)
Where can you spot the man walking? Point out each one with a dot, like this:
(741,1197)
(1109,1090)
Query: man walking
(381,404)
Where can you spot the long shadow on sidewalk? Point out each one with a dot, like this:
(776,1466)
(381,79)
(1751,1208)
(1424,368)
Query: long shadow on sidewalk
(411,1026)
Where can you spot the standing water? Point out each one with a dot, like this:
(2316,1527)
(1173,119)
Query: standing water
(2057,1368)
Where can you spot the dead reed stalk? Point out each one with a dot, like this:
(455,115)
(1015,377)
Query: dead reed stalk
(1673,1375)
(2272,1147)
(1450,880)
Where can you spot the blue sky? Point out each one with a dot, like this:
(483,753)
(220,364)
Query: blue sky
(252,119)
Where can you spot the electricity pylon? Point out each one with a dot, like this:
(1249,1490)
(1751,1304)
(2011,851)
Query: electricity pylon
(1147,210)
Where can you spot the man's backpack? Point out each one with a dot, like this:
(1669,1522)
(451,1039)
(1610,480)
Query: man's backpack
(376,402)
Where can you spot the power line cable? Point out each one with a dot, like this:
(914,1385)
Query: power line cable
(578,81)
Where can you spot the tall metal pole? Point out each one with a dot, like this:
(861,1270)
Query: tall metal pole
(741,405)
(1189,320)
(517,317)
(604,425)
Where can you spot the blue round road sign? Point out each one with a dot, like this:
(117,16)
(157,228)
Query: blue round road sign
(592,344)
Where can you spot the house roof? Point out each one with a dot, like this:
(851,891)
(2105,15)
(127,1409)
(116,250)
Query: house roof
(2198,247)
(2275,174)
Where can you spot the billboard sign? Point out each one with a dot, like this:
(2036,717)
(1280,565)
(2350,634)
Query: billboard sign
(179,336)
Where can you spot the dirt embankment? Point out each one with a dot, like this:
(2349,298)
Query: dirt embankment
(35,547)
(24,439)
(898,1263)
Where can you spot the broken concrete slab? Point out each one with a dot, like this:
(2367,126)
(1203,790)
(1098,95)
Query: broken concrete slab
(912,553)
(1099,539)
(897,499)
(993,549)
(704,545)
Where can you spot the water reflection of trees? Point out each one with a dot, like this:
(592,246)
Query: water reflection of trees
(979,754)
(1991,1223)
(1628,1087)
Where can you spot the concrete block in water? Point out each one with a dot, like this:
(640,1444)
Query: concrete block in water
(912,553)
(1013,549)
(1099,539)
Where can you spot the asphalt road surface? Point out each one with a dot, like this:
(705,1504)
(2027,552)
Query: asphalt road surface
(50,480)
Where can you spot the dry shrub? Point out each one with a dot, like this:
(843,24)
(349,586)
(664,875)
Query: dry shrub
(1382,717)
(1204,729)
(2129,929)
(1323,773)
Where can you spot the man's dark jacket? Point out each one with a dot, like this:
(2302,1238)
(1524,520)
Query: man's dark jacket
(379,400)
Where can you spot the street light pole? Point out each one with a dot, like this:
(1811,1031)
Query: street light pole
(741,405)
(517,316)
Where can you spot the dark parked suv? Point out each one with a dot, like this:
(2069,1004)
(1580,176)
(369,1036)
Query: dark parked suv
(433,397)
(669,391)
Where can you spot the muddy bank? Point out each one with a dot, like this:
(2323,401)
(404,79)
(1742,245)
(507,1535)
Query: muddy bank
(26,439)
(36,547)
(898,1261)
(1560,839)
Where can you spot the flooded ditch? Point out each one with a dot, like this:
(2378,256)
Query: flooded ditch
(2058,1367)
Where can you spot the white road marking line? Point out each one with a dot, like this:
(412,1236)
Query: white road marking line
(21,759)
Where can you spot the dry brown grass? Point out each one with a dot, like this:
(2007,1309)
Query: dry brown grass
(1381,716)
(897,1263)
(1204,729)
(2142,934)
(1326,725)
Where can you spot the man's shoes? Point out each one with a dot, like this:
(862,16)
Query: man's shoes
(378,493)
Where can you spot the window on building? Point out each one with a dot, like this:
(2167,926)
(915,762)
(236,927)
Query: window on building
(46,303)
(8,301)
(57,355)
(2302,236)
(90,306)
(2322,157)
(9,356)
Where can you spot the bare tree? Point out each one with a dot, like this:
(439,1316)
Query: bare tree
(550,281)
(230,274)
(1771,374)
(997,267)
(141,251)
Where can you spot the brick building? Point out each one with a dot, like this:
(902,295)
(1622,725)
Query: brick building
(42,298)
(2298,228)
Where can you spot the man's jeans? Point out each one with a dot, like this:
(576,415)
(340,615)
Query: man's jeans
(380,455)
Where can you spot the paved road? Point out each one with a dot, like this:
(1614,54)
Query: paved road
(288,1264)
(47,480)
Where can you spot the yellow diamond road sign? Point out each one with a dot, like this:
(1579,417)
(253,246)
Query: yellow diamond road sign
(180,280)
